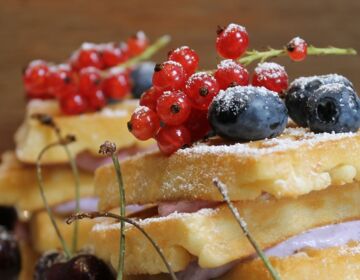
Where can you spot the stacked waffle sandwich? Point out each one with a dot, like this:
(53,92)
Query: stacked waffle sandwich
(295,184)
(78,99)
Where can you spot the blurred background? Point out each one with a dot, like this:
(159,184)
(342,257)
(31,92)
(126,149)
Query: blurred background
(51,30)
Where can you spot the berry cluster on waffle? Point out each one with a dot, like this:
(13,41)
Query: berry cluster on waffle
(227,147)
(88,99)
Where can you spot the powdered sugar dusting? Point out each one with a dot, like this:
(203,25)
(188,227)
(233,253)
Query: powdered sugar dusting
(233,26)
(303,81)
(269,70)
(173,216)
(227,64)
(291,139)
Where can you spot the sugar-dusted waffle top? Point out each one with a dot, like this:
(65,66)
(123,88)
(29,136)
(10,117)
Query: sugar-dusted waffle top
(90,129)
(292,164)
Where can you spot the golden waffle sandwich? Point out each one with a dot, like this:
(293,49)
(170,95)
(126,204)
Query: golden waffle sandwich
(295,187)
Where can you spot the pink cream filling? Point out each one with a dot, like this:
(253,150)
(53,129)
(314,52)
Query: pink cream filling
(88,162)
(321,237)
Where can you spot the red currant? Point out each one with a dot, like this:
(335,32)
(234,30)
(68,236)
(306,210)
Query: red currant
(144,123)
(137,43)
(89,80)
(36,79)
(172,138)
(297,49)
(271,76)
(198,124)
(201,88)
(230,73)
(169,75)
(150,97)
(173,108)
(112,56)
(87,55)
(232,41)
(73,103)
(117,85)
(61,80)
(95,99)
(187,57)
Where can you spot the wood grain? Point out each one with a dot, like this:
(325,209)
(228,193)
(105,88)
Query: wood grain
(52,29)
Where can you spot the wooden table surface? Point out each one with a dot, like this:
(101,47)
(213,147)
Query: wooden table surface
(52,29)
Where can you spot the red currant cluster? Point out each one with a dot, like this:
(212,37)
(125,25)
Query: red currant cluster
(174,111)
(89,78)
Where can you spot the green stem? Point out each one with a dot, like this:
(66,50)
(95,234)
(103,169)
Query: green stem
(252,56)
(93,215)
(75,172)
(223,190)
(42,193)
(147,54)
(122,214)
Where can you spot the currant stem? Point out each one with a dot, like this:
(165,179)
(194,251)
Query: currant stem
(223,190)
(48,121)
(122,214)
(254,55)
(42,193)
(148,53)
(93,215)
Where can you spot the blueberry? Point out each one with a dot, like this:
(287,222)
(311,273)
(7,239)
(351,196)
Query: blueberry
(10,258)
(142,78)
(334,108)
(302,88)
(53,266)
(248,113)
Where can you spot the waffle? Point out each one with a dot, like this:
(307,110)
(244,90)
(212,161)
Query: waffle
(293,164)
(43,236)
(213,237)
(342,262)
(19,186)
(91,130)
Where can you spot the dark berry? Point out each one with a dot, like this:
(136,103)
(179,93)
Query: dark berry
(248,113)
(169,75)
(230,73)
(272,76)
(137,43)
(10,258)
(47,261)
(142,78)
(52,266)
(8,217)
(35,79)
(297,49)
(201,88)
(232,41)
(187,57)
(173,107)
(172,138)
(144,123)
(334,108)
(302,88)
(150,97)
(117,85)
